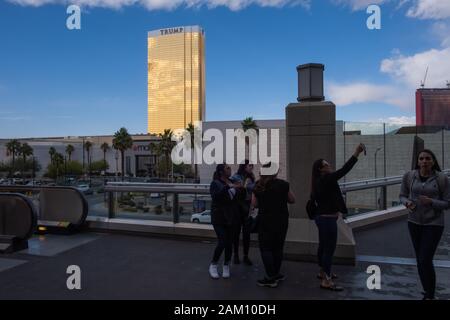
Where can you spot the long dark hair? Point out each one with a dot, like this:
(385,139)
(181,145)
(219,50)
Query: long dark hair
(435,167)
(315,174)
(265,180)
(220,168)
(243,173)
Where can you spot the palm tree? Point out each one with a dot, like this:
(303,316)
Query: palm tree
(88,147)
(191,129)
(58,160)
(52,152)
(166,145)
(156,150)
(69,150)
(105,148)
(249,123)
(25,150)
(13,147)
(122,141)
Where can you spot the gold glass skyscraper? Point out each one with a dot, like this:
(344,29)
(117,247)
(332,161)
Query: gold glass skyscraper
(176,78)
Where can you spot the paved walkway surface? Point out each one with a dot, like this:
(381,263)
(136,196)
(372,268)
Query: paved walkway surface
(130,267)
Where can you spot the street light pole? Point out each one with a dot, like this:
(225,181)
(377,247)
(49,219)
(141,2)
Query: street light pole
(376,189)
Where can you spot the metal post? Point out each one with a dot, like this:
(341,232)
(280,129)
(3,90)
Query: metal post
(175,211)
(82,147)
(111,211)
(384,197)
(384,149)
(443,149)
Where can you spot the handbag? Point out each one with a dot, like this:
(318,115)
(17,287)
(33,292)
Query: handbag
(312,207)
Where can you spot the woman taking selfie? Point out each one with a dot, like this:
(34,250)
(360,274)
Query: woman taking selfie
(327,194)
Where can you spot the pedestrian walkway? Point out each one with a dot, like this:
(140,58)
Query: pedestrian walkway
(132,267)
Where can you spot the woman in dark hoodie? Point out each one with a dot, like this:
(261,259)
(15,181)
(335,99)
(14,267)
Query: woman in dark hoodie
(224,216)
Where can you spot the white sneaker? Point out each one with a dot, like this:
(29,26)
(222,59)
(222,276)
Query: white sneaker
(213,271)
(226,271)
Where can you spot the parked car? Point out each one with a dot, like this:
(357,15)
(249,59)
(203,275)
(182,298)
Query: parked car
(202,217)
(85,189)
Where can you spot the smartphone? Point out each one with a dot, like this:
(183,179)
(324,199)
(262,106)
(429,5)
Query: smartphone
(364,147)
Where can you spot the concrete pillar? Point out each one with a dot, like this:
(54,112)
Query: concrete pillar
(311,135)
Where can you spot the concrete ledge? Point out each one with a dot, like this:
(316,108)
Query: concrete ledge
(151,228)
(373,219)
(301,241)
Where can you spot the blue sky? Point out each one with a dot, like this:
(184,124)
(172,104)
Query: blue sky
(60,82)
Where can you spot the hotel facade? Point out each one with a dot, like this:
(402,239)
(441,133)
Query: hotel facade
(176,78)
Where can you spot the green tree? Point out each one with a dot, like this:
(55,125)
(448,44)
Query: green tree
(122,141)
(163,149)
(69,150)
(25,151)
(191,129)
(249,123)
(73,167)
(88,147)
(58,161)
(166,147)
(13,147)
(98,166)
(105,147)
(52,152)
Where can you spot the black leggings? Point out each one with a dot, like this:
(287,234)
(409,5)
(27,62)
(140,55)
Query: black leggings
(425,240)
(271,244)
(224,242)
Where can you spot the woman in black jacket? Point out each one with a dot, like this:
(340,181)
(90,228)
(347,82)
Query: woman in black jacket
(327,194)
(224,216)
(271,196)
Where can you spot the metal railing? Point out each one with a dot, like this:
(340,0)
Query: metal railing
(165,188)
(175,189)
(382,183)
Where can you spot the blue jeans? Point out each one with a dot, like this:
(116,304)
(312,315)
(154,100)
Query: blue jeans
(327,242)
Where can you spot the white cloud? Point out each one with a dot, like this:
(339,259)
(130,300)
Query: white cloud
(168,4)
(410,70)
(363,92)
(356,5)
(430,9)
(403,120)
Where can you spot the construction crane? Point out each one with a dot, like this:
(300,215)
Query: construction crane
(422,84)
